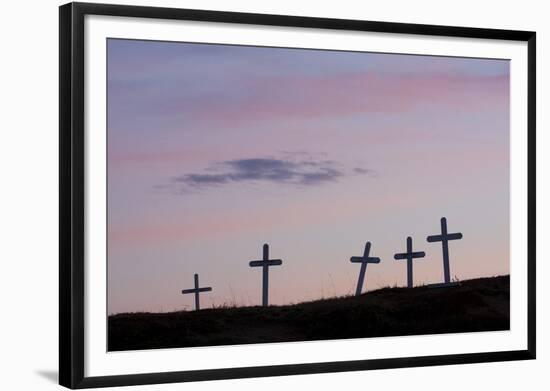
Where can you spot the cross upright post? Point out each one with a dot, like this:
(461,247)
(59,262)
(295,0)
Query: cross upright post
(196,290)
(410,255)
(444,238)
(364,260)
(265,263)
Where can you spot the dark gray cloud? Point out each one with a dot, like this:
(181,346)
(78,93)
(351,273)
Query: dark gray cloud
(307,172)
(360,170)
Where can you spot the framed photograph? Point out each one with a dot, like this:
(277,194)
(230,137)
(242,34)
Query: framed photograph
(247,195)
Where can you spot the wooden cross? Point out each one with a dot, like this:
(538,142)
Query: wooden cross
(265,263)
(444,239)
(409,256)
(196,291)
(364,260)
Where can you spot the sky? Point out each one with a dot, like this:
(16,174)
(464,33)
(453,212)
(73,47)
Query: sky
(214,150)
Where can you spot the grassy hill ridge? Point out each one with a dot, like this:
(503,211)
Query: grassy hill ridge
(476,305)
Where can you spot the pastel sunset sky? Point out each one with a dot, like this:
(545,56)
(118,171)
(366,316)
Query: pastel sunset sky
(214,150)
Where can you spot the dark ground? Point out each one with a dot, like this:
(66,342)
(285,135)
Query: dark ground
(476,305)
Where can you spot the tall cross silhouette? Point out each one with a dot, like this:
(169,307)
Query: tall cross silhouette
(410,256)
(265,263)
(364,260)
(196,291)
(444,238)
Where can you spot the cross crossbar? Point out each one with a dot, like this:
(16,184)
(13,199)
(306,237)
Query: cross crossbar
(363,260)
(185,291)
(417,254)
(270,262)
(440,238)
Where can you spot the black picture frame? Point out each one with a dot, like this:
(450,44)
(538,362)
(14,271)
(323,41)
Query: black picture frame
(72,177)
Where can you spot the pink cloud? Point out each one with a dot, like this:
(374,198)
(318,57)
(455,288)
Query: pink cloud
(290,97)
(233,222)
(166,156)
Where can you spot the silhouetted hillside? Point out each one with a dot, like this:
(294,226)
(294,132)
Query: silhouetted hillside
(476,305)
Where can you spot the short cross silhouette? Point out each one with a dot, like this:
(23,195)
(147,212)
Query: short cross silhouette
(265,263)
(444,238)
(410,256)
(364,260)
(196,291)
